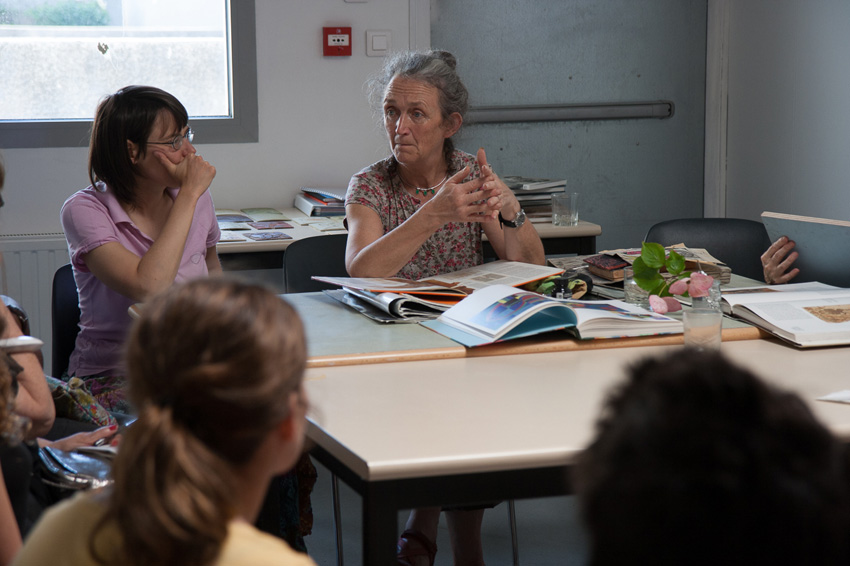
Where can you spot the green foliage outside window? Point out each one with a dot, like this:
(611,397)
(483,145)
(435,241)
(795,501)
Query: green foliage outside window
(60,13)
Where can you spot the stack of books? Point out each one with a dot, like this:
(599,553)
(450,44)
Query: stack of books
(321,202)
(535,195)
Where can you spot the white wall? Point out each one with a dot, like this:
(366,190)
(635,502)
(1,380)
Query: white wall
(315,125)
(789,118)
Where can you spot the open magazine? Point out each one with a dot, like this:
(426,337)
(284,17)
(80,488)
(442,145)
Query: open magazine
(388,307)
(500,312)
(457,284)
(804,314)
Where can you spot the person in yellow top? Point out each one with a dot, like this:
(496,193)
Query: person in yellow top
(215,371)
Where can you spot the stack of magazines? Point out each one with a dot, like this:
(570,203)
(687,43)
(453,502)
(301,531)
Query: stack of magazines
(321,202)
(535,195)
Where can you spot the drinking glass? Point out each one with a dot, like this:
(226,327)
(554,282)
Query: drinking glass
(703,328)
(632,293)
(565,209)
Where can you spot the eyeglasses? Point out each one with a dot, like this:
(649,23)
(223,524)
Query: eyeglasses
(177,142)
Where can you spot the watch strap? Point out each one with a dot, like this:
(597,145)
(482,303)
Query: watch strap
(518,221)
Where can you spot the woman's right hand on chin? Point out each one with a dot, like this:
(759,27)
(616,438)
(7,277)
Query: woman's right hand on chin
(193,172)
(777,260)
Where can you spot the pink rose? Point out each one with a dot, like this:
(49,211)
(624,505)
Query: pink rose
(679,287)
(700,284)
(663,305)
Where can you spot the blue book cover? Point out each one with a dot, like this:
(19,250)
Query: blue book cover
(500,312)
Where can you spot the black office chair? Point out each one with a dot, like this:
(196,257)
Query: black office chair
(319,255)
(736,242)
(65,314)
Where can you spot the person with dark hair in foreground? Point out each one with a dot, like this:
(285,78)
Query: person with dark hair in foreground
(697,461)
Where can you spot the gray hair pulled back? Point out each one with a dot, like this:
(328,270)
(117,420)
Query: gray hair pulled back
(434,67)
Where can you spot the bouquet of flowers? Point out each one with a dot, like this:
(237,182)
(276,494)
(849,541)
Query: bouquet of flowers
(647,274)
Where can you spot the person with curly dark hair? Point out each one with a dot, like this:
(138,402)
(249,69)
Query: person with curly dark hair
(697,461)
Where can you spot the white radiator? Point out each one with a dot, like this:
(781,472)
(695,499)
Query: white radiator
(29,262)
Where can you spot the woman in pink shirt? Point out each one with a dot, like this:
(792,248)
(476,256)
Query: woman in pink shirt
(146,221)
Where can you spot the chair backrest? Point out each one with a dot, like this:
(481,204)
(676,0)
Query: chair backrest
(65,311)
(319,255)
(736,242)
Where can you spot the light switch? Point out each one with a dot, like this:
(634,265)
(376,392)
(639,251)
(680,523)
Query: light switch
(378,42)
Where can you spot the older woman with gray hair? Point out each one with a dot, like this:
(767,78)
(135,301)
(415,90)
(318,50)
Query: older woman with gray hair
(421,212)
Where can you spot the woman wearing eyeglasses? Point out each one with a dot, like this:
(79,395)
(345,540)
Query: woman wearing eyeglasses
(146,221)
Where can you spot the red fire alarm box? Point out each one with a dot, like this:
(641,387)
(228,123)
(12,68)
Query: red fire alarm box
(336,42)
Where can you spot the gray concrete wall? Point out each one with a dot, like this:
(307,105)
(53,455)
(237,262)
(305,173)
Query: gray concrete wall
(630,173)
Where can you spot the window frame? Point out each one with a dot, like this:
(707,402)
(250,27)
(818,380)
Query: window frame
(242,127)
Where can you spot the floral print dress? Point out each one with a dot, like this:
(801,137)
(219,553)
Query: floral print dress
(456,245)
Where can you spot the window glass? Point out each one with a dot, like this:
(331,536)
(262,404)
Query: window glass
(60,57)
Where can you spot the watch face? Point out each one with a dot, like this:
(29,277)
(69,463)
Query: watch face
(520,218)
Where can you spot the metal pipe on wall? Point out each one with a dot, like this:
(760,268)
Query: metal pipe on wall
(566,112)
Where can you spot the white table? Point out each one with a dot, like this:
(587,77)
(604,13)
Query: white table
(474,430)
(579,239)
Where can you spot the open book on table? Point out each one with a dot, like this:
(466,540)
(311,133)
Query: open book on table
(389,307)
(500,313)
(452,286)
(804,314)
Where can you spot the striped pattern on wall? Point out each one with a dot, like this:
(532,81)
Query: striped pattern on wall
(29,262)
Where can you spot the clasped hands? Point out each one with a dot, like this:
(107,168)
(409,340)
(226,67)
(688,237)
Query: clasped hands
(478,200)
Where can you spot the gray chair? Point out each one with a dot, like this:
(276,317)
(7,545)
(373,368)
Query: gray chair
(319,255)
(736,242)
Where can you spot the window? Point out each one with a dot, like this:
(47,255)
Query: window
(60,57)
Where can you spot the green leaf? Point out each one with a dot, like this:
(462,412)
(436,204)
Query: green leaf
(646,277)
(652,254)
(659,288)
(640,269)
(675,263)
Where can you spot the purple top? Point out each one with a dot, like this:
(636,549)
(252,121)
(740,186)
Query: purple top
(91,218)
(454,246)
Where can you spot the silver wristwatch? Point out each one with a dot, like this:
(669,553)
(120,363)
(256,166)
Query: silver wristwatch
(516,222)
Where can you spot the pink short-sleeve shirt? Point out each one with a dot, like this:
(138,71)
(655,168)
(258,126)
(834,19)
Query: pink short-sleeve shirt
(93,217)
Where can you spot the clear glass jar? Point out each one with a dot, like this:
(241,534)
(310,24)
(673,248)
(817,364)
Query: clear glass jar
(712,301)
(632,292)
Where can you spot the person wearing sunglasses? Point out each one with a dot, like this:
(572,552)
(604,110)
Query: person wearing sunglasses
(146,222)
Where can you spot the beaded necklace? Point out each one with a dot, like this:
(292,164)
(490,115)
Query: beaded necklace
(423,192)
